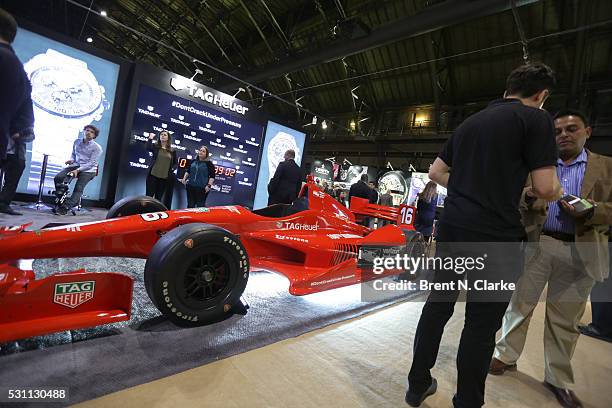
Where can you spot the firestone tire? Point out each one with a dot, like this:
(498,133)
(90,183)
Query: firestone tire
(414,248)
(135,205)
(196,273)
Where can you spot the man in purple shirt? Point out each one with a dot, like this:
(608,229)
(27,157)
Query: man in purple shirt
(83,165)
(571,255)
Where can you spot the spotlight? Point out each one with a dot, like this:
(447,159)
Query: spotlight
(198,71)
(103,13)
(352,124)
(89,39)
(314,120)
(323,125)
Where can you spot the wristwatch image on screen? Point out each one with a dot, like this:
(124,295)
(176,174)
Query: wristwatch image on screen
(66,96)
(279,144)
(395,183)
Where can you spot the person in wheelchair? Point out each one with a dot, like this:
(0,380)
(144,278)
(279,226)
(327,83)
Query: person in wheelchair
(83,166)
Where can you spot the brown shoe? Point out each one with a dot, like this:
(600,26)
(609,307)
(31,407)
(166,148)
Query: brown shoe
(566,397)
(498,367)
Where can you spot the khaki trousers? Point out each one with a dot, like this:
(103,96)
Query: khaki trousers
(556,264)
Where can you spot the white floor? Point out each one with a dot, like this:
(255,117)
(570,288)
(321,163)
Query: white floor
(363,363)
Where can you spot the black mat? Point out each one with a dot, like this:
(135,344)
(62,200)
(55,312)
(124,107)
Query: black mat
(95,362)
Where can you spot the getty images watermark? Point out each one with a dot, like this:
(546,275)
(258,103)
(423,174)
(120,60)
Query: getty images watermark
(485,271)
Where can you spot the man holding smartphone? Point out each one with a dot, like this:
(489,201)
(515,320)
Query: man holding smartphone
(572,254)
(485,165)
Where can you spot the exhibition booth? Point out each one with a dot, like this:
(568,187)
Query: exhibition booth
(125,303)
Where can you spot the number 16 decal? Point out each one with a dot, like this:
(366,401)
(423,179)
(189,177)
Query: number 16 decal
(406,214)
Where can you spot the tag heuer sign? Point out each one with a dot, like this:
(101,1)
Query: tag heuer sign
(209,95)
(73,294)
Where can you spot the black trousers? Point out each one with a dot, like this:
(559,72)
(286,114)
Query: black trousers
(482,320)
(156,187)
(196,196)
(13,169)
(82,179)
(601,306)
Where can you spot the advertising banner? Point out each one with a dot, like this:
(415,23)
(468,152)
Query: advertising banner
(233,142)
(322,170)
(277,141)
(417,184)
(70,89)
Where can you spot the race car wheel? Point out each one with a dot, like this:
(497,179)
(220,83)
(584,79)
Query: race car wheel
(196,273)
(415,247)
(135,205)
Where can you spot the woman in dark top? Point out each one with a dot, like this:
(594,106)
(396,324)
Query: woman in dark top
(426,210)
(199,179)
(160,178)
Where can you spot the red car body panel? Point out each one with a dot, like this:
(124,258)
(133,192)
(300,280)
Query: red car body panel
(315,249)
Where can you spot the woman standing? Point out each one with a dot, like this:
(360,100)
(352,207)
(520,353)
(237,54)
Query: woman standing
(199,179)
(160,178)
(426,210)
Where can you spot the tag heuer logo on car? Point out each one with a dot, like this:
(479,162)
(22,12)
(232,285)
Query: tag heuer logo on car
(73,294)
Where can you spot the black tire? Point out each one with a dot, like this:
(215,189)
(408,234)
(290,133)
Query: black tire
(414,248)
(135,205)
(196,273)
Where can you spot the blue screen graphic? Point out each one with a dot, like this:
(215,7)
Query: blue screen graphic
(70,89)
(277,141)
(233,143)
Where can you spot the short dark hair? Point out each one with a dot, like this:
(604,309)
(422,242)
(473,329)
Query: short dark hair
(290,153)
(572,112)
(364,178)
(92,127)
(8,26)
(529,79)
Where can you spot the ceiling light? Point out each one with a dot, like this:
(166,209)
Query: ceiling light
(323,125)
(89,39)
(314,120)
(103,13)
(352,124)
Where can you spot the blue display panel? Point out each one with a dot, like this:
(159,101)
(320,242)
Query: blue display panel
(70,89)
(234,144)
(278,140)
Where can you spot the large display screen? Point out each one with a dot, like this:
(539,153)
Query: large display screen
(418,183)
(70,89)
(233,142)
(278,140)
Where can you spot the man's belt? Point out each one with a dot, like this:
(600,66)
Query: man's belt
(561,236)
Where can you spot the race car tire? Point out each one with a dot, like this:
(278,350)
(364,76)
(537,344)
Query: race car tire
(135,205)
(414,248)
(196,273)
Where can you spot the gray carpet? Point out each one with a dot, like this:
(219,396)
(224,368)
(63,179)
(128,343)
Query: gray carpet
(99,361)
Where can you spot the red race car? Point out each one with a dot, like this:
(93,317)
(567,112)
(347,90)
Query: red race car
(198,260)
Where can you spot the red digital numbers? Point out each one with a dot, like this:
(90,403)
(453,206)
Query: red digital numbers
(225,171)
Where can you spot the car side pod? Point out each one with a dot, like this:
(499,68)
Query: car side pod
(65,301)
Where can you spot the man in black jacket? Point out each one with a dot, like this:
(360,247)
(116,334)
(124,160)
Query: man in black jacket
(22,132)
(14,80)
(287,181)
(360,189)
(16,114)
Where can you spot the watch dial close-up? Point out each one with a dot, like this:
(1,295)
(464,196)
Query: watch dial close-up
(64,91)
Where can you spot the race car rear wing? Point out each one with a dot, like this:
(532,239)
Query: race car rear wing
(402,215)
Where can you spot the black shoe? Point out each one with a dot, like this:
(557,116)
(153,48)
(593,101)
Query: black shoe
(594,332)
(415,400)
(61,210)
(6,209)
